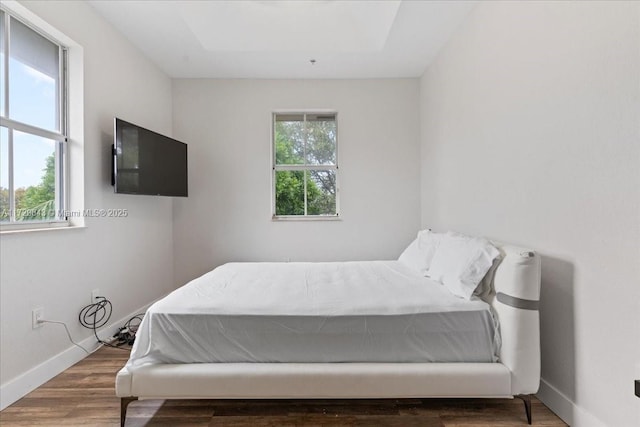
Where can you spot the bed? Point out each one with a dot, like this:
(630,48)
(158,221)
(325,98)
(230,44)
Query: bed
(347,330)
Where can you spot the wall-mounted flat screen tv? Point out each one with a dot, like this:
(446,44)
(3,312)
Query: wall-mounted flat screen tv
(145,162)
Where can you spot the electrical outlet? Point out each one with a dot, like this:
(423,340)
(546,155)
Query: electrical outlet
(37,314)
(94,295)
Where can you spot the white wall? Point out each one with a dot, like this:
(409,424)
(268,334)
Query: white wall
(128,259)
(227,124)
(530,134)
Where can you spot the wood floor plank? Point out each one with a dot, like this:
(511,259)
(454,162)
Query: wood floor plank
(84,396)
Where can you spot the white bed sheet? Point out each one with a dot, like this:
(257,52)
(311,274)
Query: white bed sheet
(369,311)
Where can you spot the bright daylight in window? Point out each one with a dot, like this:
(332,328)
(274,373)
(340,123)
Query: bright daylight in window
(32,125)
(305,166)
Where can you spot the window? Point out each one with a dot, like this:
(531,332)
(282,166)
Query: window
(305,166)
(33,125)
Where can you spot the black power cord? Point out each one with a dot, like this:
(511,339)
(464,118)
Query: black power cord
(127,333)
(96,315)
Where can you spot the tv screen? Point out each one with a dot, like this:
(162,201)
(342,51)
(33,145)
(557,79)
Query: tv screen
(145,162)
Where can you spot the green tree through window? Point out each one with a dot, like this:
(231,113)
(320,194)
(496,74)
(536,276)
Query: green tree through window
(36,202)
(305,165)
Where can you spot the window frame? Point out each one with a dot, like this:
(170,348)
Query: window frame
(60,137)
(303,167)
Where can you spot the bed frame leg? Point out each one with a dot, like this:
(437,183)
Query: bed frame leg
(526,398)
(124,402)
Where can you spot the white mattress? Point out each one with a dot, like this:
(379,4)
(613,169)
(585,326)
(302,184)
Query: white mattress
(373,311)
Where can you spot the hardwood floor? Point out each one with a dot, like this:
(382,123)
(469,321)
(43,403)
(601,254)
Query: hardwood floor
(83,395)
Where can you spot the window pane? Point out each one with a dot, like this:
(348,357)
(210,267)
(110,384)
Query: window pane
(289,192)
(321,139)
(289,139)
(34,169)
(4,175)
(2,88)
(33,77)
(321,192)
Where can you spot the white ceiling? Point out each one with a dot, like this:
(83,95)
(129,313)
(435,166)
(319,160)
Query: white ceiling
(278,39)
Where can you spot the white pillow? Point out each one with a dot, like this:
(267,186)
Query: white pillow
(460,263)
(420,252)
(429,242)
(413,258)
(485,287)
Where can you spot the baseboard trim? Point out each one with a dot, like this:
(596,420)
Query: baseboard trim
(565,408)
(17,388)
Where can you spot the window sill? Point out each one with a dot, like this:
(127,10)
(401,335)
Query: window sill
(8,231)
(305,218)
